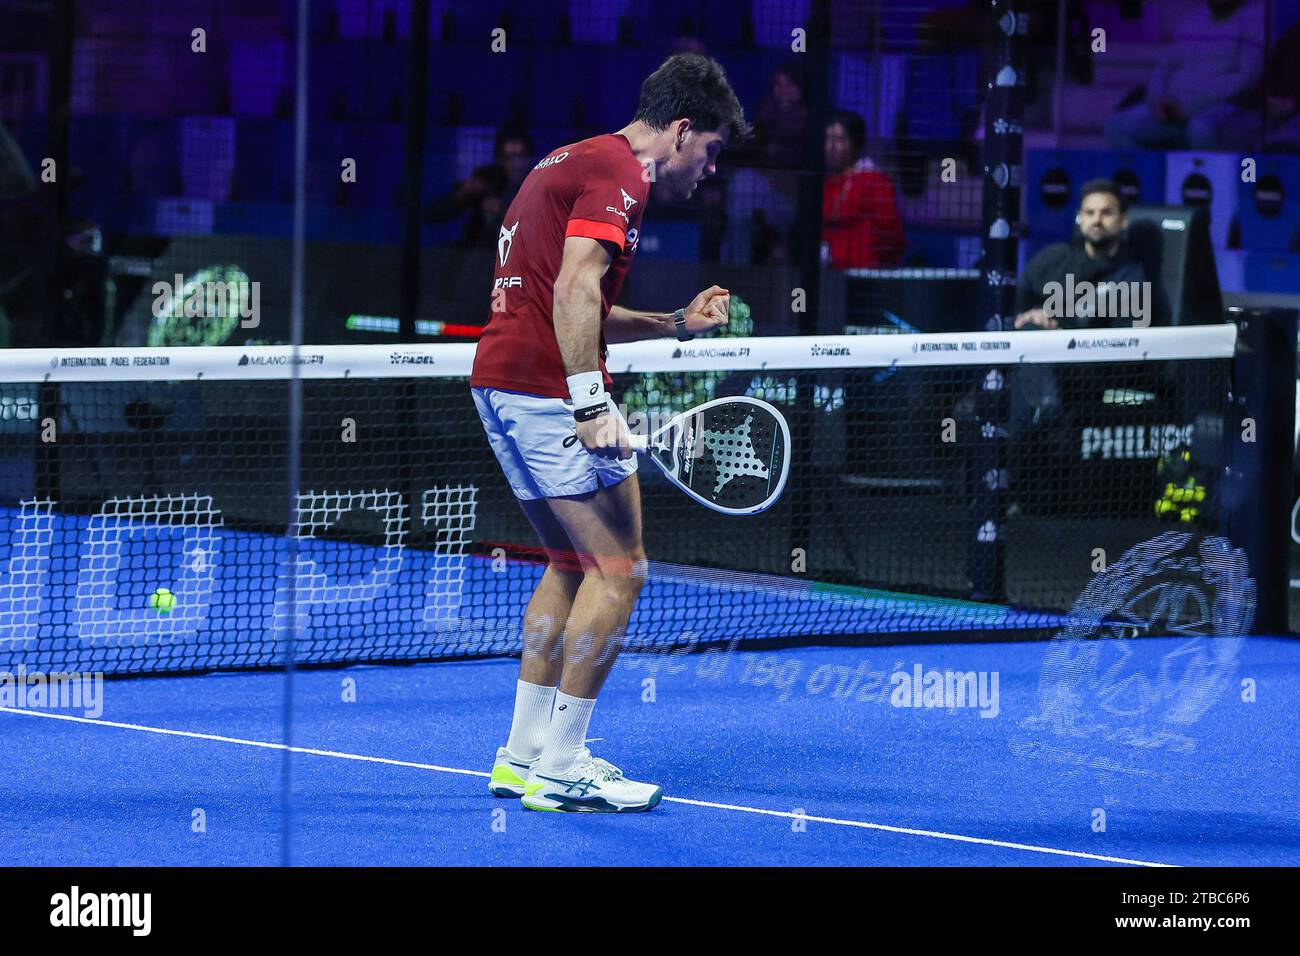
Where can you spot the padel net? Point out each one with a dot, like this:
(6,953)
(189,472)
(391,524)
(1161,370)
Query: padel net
(934,484)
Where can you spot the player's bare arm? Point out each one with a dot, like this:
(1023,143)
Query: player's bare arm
(577,332)
(707,311)
(577,303)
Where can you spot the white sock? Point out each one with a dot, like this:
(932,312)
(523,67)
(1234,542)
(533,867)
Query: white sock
(532,717)
(567,733)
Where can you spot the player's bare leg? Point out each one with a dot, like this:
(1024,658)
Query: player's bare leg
(548,609)
(543,655)
(549,615)
(605,528)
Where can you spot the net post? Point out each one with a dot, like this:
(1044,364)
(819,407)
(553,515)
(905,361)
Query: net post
(293,470)
(1260,475)
(1002,164)
(412,178)
(809,237)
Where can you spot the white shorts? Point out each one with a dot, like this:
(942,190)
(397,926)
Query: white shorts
(536,441)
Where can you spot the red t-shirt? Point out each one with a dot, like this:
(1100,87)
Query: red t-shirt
(594,188)
(860,221)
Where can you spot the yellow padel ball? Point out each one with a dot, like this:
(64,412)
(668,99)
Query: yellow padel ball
(162,601)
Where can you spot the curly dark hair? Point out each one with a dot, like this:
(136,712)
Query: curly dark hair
(694,87)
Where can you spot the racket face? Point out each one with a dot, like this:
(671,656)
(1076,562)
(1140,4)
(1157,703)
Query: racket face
(732,454)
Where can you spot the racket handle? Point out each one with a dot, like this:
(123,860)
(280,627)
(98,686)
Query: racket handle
(640,444)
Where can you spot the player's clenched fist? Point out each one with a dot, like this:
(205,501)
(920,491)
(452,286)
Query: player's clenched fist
(708,310)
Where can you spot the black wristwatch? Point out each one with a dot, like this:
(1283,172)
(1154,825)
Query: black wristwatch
(679,319)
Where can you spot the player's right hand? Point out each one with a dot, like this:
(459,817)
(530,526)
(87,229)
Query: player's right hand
(607,436)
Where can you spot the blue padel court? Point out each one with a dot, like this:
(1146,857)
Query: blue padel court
(796,756)
(1098,751)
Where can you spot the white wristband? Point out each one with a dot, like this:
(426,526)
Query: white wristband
(587,389)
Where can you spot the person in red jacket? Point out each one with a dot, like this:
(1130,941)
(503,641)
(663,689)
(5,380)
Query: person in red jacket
(861,228)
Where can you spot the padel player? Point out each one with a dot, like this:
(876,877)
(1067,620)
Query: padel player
(541,388)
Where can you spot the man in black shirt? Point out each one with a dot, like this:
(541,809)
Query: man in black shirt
(1098,279)
(1095,280)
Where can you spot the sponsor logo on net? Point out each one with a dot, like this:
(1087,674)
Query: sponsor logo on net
(108,361)
(314,358)
(816,350)
(964,345)
(410,358)
(1117,342)
(711,351)
(57,690)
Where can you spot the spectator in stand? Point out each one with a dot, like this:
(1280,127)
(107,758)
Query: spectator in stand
(762,192)
(861,228)
(781,122)
(488,192)
(1207,92)
(1100,252)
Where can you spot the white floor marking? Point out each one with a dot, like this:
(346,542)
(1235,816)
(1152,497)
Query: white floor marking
(860,824)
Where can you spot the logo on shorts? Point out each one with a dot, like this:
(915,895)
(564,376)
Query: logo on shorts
(568,442)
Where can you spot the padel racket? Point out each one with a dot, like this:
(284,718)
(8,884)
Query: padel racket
(730,454)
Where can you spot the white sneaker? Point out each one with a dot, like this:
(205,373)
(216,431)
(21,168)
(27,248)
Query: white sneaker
(509,773)
(591,785)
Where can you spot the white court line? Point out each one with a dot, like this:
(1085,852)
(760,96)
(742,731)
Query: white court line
(388,761)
